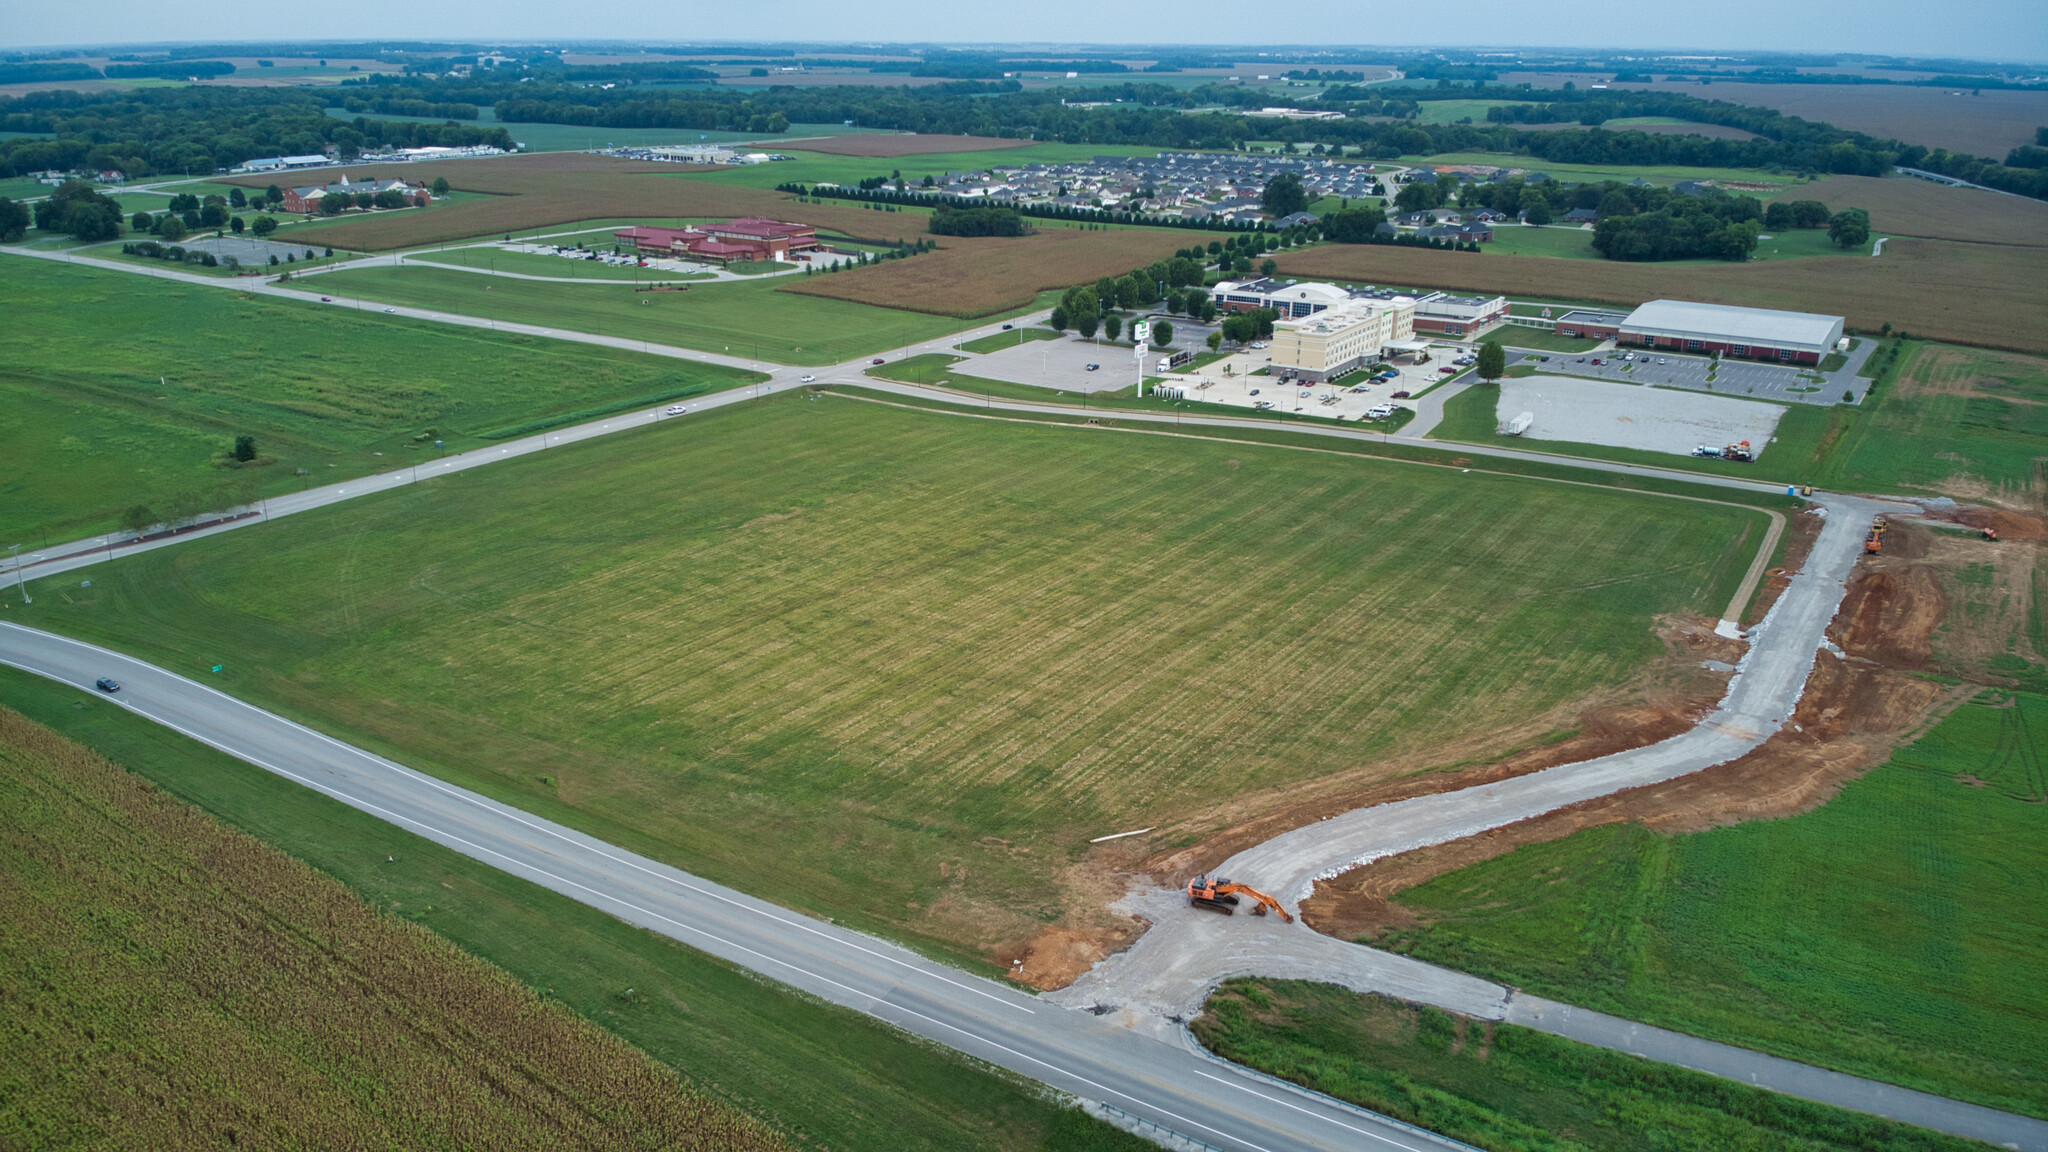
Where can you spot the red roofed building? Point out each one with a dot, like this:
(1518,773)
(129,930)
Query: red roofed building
(746,239)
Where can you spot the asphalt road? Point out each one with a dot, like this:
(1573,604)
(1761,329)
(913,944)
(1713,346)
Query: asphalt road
(1096,1059)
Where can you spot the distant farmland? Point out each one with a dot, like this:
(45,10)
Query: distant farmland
(1989,295)
(1903,206)
(532,191)
(975,276)
(168,982)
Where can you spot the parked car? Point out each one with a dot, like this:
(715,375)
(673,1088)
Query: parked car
(1093,367)
(807,379)
(1399,396)
(1596,359)
(106,684)
(1662,360)
(1379,412)
(1447,369)
(1263,404)
(1255,391)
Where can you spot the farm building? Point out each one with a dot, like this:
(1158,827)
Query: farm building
(1448,315)
(745,239)
(1332,342)
(1753,333)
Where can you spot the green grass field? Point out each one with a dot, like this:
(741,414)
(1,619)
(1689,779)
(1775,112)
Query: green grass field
(91,425)
(892,666)
(1542,339)
(1510,1089)
(1895,933)
(1577,244)
(826,1076)
(1954,419)
(740,319)
(1654,173)
(812,167)
(1452,111)
(997,341)
(532,264)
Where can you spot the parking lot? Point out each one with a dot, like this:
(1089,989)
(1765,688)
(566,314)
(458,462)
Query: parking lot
(1743,378)
(1582,411)
(250,251)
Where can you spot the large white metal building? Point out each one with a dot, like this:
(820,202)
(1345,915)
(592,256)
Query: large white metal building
(1753,333)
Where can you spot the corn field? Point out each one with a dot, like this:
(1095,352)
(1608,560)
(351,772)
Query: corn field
(166,981)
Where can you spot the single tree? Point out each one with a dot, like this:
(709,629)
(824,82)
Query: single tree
(1536,211)
(1058,320)
(1283,195)
(1268,267)
(1778,215)
(1086,324)
(170,228)
(1850,228)
(245,447)
(274,194)
(235,225)
(1493,361)
(142,222)
(263,226)
(139,519)
(238,198)
(1162,334)
(1215,341)
(440,186)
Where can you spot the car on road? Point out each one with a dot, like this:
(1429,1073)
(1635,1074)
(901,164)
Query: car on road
(106,684)
(1399,396)
(327,299)
(1007,327)
(1093,367)
(807,380)
(878,360)
(676,409)
(391,309)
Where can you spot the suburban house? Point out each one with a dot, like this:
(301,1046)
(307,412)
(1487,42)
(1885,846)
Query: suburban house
(1581,216)
(307,200)
(1460,233)
(746,239)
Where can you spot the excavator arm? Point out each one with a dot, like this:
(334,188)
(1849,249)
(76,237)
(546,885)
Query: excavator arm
(1221,895)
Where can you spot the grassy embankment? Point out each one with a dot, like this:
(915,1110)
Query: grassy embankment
(166,981)
(1510,1089)
(1944,419)
(749,319)
(91,425)
(823,1076)
(1895,933)
(899,668)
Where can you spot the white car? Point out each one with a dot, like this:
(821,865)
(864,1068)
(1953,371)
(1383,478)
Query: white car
(1379,411)
(808,379)
(676,410)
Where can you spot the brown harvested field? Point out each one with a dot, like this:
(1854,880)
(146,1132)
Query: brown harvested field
(974,276)
(1992,296)
(548,188)
(1903,206)
(902,144)
(1989,125)
(168,982)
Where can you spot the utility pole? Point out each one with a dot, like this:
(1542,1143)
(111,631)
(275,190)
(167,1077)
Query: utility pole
(19,584)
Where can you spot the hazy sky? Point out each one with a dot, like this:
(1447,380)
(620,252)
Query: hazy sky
(1987,29)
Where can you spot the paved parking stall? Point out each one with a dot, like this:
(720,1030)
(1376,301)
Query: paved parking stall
(1748,379)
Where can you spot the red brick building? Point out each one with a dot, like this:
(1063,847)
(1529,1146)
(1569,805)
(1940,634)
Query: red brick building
(750,238)
(307,200)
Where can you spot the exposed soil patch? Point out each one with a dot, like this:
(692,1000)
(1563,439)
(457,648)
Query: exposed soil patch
(1802,532)
(2011,526)
(1889,615)
(1057,954)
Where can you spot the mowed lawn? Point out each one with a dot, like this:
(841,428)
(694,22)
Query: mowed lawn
(899,667)
(1896,932)
(119,390)
(749,319)
(1968,422)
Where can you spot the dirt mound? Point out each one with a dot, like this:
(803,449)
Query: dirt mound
(2015,526)
(1889,614)
(1851,715)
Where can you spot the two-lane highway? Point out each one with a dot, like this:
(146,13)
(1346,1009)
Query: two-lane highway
(1093,1058)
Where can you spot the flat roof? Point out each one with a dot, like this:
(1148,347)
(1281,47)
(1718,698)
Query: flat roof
(1592,316)
(1766,326)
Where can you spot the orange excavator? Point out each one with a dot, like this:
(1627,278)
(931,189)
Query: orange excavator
(1220,895)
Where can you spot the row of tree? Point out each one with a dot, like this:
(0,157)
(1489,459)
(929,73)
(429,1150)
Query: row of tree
(947,220)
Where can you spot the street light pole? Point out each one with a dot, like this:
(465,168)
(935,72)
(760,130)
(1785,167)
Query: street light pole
(19,584)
